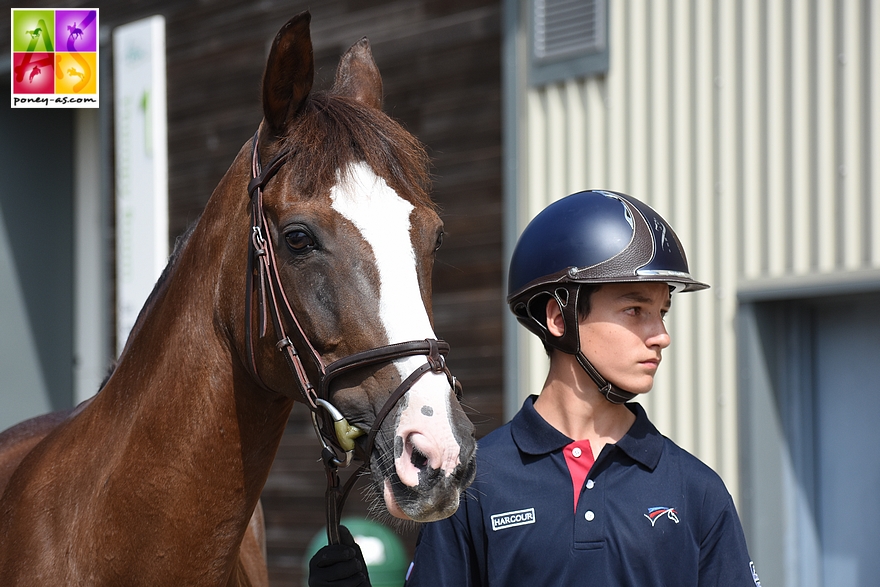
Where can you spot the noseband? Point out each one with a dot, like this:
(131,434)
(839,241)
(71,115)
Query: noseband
(312,376)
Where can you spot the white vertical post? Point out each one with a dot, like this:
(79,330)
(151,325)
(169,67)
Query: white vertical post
(141,166)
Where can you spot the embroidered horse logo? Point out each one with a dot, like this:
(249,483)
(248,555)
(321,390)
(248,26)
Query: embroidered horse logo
(656,513)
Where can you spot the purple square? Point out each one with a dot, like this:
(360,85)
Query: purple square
(76,30)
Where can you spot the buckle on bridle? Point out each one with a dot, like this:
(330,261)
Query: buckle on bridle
(258,241)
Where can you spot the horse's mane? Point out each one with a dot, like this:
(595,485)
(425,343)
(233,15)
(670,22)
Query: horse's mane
(332,132)
(179,244)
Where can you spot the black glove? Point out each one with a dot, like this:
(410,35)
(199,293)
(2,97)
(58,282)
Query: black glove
(339,565)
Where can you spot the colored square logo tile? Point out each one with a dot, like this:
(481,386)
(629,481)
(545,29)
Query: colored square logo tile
(33,73)
(75,73)
(33,30)
(76,30)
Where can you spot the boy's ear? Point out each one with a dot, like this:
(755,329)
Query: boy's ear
(555,320)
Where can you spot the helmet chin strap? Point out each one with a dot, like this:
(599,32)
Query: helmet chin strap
(611,392)
(569,342)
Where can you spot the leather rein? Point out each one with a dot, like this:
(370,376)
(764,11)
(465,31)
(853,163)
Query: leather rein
(312,376)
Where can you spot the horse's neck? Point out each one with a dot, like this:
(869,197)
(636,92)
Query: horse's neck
(180,367)
(187,417)
(192,404)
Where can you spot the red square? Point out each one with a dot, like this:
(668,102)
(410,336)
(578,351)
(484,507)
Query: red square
(33,73)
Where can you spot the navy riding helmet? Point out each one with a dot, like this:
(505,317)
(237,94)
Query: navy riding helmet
(590,237)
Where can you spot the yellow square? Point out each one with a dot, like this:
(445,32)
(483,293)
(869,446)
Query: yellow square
(76,73)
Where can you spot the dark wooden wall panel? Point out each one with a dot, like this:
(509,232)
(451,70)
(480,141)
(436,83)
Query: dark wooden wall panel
(440,61)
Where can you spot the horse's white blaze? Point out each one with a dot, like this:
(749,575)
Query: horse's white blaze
(382,217)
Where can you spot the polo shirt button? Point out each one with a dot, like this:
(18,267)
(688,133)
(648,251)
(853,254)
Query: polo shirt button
(589,516)
(576,452)
(590,484)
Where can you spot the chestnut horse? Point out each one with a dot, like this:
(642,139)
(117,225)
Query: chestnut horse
(157,479)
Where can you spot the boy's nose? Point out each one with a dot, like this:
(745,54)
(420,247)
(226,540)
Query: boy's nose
(660,337)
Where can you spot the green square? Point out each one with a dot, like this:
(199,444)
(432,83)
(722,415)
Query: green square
(33,30)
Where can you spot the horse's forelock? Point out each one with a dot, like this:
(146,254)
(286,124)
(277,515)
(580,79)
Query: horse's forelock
(332,132)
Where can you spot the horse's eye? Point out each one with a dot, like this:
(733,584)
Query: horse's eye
(439,242)
(299,241)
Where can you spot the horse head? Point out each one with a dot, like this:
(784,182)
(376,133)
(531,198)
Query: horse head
(353,233)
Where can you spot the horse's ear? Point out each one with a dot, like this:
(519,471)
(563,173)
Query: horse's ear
(358,77)
(289,73)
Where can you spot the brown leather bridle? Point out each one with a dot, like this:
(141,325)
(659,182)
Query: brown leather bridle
(263,277)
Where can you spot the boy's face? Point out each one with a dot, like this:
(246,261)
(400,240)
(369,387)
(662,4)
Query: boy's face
(624,334)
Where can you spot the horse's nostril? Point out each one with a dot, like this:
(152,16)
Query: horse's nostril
(418,460)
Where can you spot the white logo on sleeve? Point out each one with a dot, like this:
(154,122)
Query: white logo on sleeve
(511,519)
(754,574)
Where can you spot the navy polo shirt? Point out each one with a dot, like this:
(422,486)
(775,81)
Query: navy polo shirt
(649,513)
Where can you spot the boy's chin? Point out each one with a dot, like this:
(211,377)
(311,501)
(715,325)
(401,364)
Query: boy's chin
(638,387)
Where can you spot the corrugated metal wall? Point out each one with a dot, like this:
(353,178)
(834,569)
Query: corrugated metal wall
(753,127)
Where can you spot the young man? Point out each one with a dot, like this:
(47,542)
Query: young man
(580,488)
